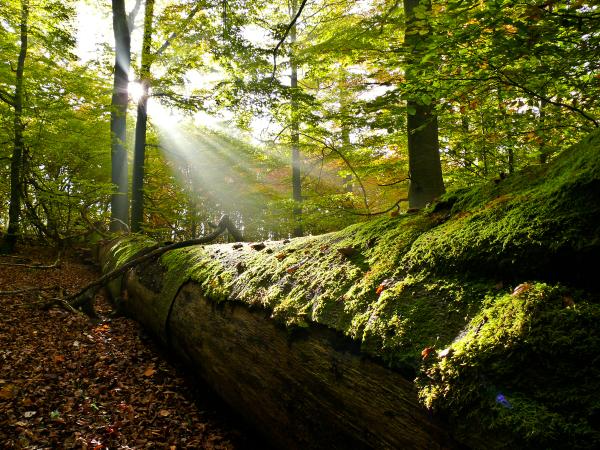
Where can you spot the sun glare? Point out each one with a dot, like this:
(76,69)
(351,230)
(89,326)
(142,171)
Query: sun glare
(135,91)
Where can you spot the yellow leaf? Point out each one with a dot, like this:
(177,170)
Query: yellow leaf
(8,391)
(149,371)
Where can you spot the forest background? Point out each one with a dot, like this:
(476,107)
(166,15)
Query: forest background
(293,117)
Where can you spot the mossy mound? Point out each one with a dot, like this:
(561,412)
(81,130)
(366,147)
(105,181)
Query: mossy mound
(523,367)
(527,369)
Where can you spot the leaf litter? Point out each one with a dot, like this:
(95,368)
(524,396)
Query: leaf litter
(69,383)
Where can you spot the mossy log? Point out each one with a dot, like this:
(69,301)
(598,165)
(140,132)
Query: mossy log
(488,299)
(309,388)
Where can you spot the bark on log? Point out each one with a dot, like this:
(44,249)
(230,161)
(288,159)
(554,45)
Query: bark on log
(310,389)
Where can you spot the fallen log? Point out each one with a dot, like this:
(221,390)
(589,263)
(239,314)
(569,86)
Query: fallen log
(308,389)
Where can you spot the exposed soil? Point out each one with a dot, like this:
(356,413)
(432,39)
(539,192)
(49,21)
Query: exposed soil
(66,382)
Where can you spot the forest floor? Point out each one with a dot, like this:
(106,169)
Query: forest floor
(66,382)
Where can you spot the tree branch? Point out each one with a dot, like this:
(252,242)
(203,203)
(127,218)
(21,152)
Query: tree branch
(393,183)
(285,34)
(132,15)
(174,34)
(7,98)
(86,294)
(29,289)
(525,89)
(369,214)
(347,162)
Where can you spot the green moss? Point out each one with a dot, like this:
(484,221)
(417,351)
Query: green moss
(527,368)
(440,280)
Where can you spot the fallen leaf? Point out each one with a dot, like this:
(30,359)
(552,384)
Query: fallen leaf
(9,391)
(28,414)
(164,413)
(149,371)
(59,358)
(380,289)
(426,352)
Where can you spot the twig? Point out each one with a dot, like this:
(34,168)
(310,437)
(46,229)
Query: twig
(394,182)
(54,265)
(29,289)
(368,214)
(348,164)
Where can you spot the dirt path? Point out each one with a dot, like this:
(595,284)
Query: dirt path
(68,383)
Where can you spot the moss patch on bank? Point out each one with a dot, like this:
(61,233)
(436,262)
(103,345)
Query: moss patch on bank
(523,367)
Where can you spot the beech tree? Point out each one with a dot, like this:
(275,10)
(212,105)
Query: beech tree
(424,166)
(16,162)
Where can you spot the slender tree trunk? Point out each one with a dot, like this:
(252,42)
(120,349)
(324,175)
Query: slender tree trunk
(139,155)
(295,136)
(118,118)
(16,163)
(346,144)
(426,182)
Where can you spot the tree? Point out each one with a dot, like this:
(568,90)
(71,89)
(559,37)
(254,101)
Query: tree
(425,169)
(16,162)
(122,25)
(148,57)
(295,128)
(139,154)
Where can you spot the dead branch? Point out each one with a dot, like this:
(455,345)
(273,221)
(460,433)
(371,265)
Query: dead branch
(88,292)
(28,289)
(54,265)
(394,206)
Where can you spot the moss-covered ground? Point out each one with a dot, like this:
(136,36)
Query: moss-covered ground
(489,298)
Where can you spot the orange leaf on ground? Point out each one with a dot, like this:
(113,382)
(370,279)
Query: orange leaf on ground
(426,352)
(149,371)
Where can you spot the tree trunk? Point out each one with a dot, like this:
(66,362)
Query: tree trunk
(295,131)
(118,118)
(139,155)
(16,163)
(426,182)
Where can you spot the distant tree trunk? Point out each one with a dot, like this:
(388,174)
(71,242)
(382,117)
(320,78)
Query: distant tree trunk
(139,154)
(295,136)
(16,163)
(346,144)
(118,118)
(426,182)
